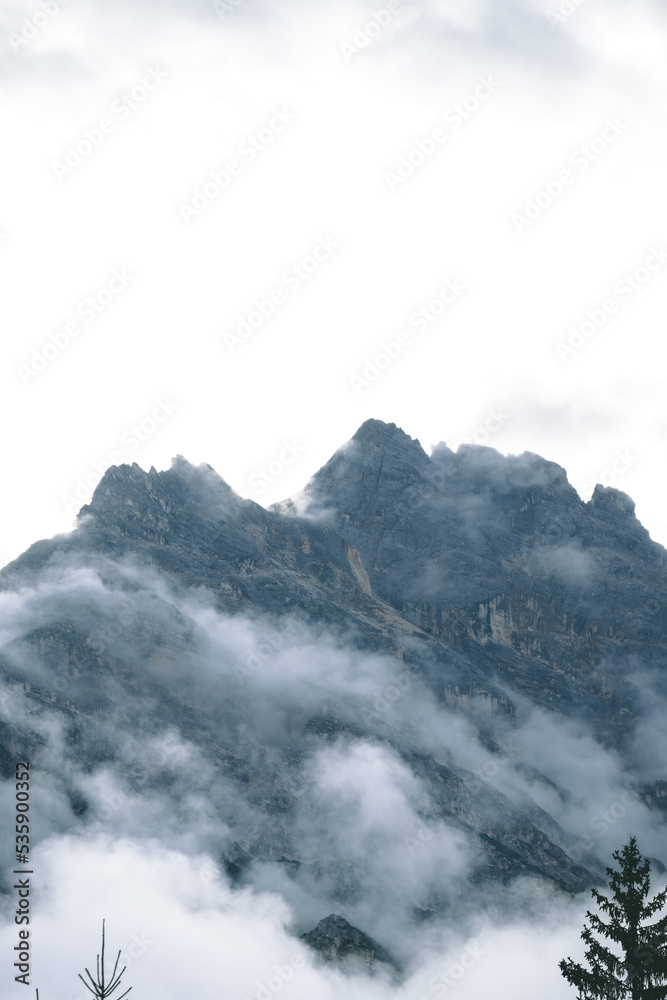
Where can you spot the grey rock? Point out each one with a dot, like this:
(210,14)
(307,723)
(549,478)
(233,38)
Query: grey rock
(337,941)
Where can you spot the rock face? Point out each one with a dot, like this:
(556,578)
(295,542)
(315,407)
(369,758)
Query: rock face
(335,940)
(407,613)
(498,558)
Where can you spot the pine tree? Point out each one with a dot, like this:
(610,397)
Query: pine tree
(100,987)
(637,969)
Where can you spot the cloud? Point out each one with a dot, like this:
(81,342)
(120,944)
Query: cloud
(570,563)
(182,932)
(428,40)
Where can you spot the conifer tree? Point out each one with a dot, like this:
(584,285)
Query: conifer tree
(637,967)
(100,986)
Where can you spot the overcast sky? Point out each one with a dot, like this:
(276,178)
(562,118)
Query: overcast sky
(470,194)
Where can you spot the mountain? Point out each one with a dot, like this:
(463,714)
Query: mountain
(410,691)
(335,940)
(498,558)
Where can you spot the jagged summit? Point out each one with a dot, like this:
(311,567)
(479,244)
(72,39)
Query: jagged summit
(385,467)
(199,484)
(379,461)
(378,434)
(375,461)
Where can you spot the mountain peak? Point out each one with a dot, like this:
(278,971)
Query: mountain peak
(381,460)
(130,484)
(380,434)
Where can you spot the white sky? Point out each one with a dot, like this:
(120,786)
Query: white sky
(324,178)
